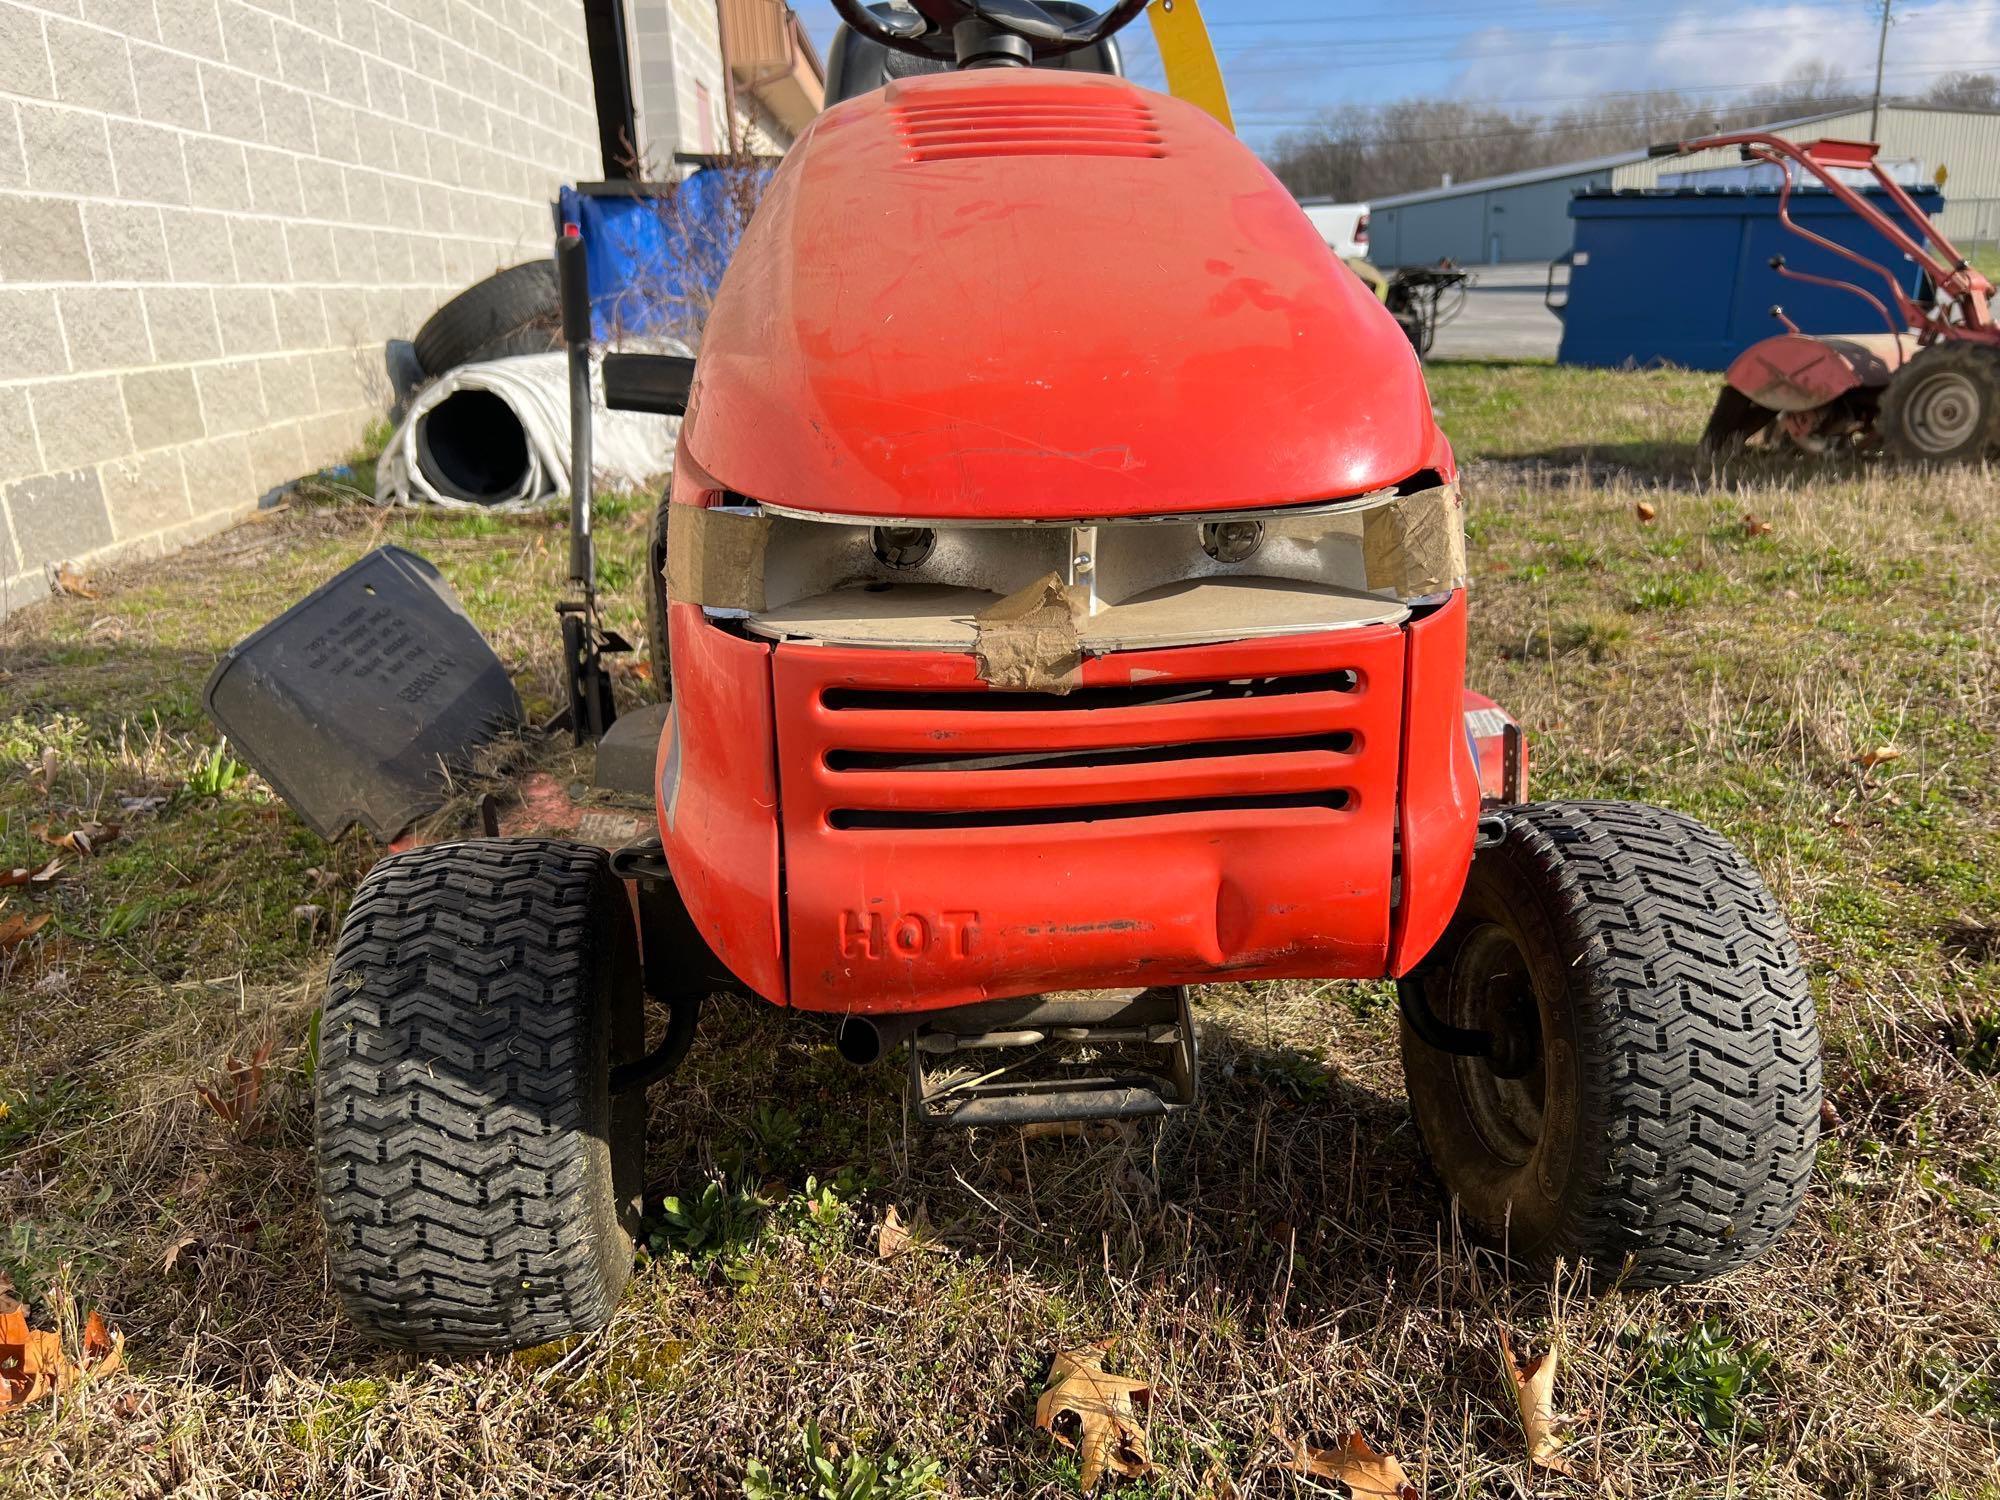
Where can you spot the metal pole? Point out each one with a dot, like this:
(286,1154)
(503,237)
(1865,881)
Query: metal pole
(573,282)
(1881,53)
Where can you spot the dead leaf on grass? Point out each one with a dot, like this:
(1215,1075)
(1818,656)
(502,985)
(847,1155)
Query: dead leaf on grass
(897,1238)
(86,839)
(1877,755)
(1367,1473)
(72,582)
(1756,525)
(33,1363)
(23,875)
(1102,1408)
(139,806)
(1645,511)
(16,930)
(10,1299)
(309,917)
(1534,1393)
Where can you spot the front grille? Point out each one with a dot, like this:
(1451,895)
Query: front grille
(896,759)
(1040,122)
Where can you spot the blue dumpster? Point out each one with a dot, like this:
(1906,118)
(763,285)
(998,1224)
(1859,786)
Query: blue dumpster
(656,251)
(1683,276)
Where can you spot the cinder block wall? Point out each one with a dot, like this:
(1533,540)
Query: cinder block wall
(212,213)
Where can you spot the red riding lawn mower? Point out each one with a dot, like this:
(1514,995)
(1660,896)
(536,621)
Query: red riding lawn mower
(1067,607)
(1927,388)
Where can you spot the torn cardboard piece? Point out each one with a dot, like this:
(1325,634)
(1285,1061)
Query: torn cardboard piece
(716,557)
(1027,643)
(1416,543)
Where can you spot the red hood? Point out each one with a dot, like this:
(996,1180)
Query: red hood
(1044,295)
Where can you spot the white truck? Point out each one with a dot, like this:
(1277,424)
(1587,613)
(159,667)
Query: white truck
(1344,226)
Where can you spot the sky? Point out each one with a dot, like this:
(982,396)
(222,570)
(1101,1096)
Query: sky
(1285,61)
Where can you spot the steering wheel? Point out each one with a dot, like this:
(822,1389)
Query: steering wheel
(926,30)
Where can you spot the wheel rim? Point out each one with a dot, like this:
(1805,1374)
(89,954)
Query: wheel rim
(1943,411)
(1491,991)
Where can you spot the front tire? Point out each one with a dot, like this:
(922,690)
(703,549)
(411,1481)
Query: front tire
(478,1180)
(1665,1109)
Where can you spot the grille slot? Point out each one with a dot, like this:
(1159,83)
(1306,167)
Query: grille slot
(1135,695)
(1106,124)
(851,818)
(1341,743)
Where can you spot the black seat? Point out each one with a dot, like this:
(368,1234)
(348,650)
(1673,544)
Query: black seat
(855,64)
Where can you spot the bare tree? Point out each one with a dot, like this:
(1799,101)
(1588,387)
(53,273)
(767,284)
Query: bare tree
(1965,91)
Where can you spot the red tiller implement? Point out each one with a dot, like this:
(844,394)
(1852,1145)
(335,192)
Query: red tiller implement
(1064,581)
(1926,387)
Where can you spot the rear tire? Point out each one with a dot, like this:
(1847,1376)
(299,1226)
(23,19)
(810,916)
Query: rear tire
(656,603)
(477,1178)
(1735,422)
(1667,1119)
(1943,407)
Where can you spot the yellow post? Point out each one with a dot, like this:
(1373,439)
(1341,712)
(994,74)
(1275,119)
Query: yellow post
(1189,58)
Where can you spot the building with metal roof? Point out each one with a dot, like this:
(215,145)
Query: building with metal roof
(1524,216)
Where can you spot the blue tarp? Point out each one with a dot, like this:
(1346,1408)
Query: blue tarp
(657,251)
(1683,275)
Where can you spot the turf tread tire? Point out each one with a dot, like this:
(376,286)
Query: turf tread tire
(472,1165)
(1696,1096)
(510,302)
(1978,364)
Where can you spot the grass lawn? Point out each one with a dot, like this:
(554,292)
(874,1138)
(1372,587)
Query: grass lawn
(1277,1255)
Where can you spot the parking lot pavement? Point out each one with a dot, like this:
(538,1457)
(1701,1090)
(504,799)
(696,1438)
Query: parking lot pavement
(1503,317)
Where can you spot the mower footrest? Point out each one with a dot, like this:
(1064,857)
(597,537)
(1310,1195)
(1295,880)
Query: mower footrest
(1041,1059)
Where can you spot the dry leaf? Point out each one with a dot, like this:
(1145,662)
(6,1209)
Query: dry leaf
(85,840)
(73,583)
(10,1299)
(33,1364)
(22,875)
(309,917)
(1755,525)
(1534,1392)
(51,763)
(175,1251)
(896,1237)
(15,930)
(1367,1473)
(140,806)
(1645,511)
(1878,755)
(1104,1409)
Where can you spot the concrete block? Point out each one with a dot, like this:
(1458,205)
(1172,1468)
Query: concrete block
(24,61)
(67,151)
(31,341)
(218,173)
(218,475)
(258,244)
(248,40)
(163,406)
(19,452)
(80,422)
(58,516)
(288,387)
(234,108)
(301,319)
(288,117)
(367,196)
(274,182)
(41,239)
(169,87)
(385,89)
(354,256)
(309,251)
(191,26)
(105,327)
(342,381)
(358,23)
(129,18)
(182,322)
(198,247)
(277,456)
(302,58)
(248,321)
(324,186)
(92,68)
(333,128)
(148,162)
(145,494)
(127,241)
(232,398)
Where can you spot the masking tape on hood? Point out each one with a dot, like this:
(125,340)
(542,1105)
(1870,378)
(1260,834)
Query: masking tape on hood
(1415,544)
(1027,643)
(716,557)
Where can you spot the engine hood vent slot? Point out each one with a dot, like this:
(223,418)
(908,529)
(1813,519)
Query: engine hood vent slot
(965,129)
